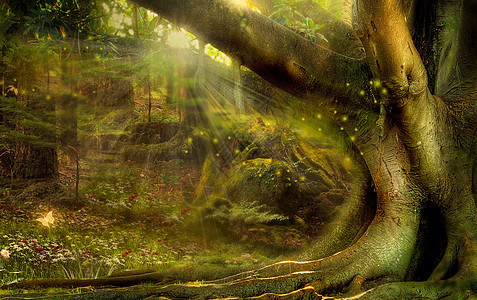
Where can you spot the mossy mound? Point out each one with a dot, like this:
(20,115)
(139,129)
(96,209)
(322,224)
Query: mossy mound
(187,144)
(264,181)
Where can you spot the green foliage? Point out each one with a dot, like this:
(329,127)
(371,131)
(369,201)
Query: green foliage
(52,18)
(34,128)
(248,212)
(287,13)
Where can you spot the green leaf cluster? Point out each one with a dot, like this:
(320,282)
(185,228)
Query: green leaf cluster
(287,13)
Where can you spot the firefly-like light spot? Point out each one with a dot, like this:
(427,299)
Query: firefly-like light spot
(362,93)
(215,140)
(344,118)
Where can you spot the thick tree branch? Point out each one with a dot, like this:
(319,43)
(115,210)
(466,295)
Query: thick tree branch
(390,51)
(274,52)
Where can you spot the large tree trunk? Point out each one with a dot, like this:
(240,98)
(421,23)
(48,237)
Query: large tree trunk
(417,148)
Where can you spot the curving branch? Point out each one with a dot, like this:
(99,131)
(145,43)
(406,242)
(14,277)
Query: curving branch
(274,52)
(390,51)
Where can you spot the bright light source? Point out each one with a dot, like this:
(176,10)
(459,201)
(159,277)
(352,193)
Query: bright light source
(178,40)
(240,3)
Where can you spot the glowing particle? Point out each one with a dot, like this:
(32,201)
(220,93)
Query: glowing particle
(279,173)
(319,129)
(74,95)
(384,92)
(217,154)
(48,97)
(186,152)
(201,133)
(347,84)
(259,175)
(341,128)
(246,149)
(362,93)
(15,79)
(87,47)
(32,90)
(189,140)
(296,180)
(215,140)
(377,83)
(352,138)
(344,118)
(361,153)
(375,101)
(237,151)
(288,171)
(101,49)
(335,112)
(243,163)
(371,82)
(302,178)
(229,138)
(356,129)
(303,119)
(318,116)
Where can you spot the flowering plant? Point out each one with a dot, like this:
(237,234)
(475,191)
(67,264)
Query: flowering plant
(4,254)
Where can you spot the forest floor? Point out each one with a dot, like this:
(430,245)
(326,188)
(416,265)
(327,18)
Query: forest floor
(129,216)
